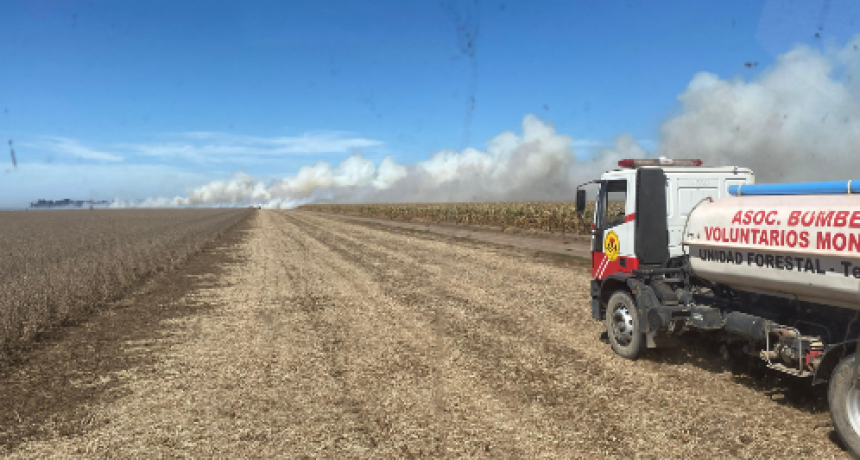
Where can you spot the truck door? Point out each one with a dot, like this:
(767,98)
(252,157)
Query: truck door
(612,242)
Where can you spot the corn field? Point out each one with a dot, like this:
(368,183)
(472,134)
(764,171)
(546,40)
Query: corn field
(552,217)
(57,266)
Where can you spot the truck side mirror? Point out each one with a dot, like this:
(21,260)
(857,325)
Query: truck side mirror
(580,201)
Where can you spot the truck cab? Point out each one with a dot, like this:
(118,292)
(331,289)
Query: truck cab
(640,213)
(629,231)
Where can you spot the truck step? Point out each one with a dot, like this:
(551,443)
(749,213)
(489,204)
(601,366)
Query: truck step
(789,370)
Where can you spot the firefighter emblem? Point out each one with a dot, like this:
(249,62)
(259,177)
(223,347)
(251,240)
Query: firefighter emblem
(611,246)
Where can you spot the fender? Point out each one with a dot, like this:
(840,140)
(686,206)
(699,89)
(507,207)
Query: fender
(653,314)
(601,290)
(832,355)
(646,302)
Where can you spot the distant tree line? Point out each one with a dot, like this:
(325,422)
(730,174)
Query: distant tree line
(67,203)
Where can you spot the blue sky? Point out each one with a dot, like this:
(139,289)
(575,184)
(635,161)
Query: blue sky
(135,99)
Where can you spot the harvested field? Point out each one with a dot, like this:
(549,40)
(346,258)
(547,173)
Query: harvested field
(551,217)
(57,266)
(324,338)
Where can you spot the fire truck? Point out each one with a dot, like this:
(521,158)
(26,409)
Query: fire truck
(772,271)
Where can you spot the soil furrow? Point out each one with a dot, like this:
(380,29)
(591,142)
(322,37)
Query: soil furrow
(327,338)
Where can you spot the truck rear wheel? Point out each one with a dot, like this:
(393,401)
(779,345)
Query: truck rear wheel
(843,397)
(622,325)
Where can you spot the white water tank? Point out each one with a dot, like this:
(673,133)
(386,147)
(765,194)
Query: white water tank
(798,246)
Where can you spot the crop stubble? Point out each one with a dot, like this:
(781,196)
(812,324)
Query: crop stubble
(541,216)
(335,340)
(57,266)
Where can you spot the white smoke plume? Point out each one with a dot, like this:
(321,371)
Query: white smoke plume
(798,120)
(536,165)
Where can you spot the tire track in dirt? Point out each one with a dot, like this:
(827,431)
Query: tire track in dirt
(336,340)
(688,426)
(423,336)
(478,348)
(336,336)
(508,370)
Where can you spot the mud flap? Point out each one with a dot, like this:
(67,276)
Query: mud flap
(649,340)
(646,301)
(653,315)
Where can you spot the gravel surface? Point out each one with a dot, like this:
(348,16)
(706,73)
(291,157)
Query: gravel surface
(332,339)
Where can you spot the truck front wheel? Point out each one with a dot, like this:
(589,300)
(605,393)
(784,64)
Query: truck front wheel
(843,397)
(622,325)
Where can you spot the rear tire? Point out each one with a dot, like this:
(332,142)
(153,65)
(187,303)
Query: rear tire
(844,401)
(622,326)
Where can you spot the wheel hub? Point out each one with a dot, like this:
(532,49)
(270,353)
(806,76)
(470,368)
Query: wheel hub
(623,326)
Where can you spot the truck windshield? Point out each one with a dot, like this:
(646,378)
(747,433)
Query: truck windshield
(610,203)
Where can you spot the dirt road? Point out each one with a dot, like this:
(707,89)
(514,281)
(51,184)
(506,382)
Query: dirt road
(570,245)
(326,338)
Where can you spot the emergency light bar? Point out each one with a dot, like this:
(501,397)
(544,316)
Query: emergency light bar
(631,163)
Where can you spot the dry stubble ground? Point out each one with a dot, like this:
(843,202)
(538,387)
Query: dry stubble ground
(324,338)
